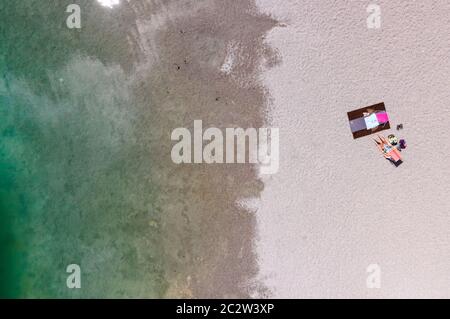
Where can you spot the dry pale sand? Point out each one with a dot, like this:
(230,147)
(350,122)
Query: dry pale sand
(336,206)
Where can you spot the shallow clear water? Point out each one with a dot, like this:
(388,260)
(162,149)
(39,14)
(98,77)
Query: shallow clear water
(71,191)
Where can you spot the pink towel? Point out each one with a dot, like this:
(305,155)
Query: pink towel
(382,117)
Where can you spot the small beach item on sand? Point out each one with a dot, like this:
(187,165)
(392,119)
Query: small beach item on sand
(368,120)
(371,121)
(389,152)
(402,144)
(392,139)
(399,127)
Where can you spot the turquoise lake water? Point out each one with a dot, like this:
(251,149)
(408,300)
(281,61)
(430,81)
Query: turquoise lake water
(72,176)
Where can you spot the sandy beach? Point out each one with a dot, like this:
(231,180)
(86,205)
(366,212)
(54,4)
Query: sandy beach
(336,206)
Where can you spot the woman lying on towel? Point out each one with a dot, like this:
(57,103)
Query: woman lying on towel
(390,152)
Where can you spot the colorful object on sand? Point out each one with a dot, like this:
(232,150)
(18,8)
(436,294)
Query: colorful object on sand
(388,150)
(392,139)
(368,120)
(382,117)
